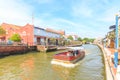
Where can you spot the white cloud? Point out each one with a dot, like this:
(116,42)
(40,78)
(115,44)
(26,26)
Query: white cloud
(67,21)
(69,26)
(72,27)
(43,1)
(82,9)
(105,1)
(108,15)
(15,12)
(19,12)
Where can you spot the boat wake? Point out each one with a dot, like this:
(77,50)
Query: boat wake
(65,63)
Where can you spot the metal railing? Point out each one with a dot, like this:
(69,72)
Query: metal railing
(4,43)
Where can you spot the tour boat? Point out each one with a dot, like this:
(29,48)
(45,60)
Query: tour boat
(69,58)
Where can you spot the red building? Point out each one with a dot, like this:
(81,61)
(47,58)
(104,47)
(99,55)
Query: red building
(26,32)
(30,34)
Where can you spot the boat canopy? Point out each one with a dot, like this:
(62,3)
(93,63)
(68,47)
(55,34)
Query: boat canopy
(76,48)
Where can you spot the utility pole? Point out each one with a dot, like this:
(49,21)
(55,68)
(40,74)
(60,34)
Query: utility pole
(116,43)
(32,19)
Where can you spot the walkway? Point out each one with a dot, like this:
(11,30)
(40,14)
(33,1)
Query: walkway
(110,56)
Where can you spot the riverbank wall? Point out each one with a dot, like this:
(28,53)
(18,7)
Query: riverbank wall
(19,49)
(108,69)
(10,50)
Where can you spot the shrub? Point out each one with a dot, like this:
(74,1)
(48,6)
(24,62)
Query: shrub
(15,38)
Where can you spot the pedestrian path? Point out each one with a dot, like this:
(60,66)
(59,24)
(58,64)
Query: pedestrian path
(110,57)
(118,73)
(108,69)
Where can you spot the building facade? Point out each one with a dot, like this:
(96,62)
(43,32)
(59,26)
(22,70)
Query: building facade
(46,36)
(32,35)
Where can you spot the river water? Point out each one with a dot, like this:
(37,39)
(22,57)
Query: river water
(37,66)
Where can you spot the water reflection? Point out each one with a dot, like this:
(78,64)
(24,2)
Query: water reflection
(63,72)
(27,69)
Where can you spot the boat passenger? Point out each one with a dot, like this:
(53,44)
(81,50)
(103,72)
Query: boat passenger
(75,53)
(69,53)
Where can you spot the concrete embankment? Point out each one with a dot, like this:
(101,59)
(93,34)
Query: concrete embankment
(109,73)
(9,50)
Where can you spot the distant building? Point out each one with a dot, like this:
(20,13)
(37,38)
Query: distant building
(32,35)
(98,40)
(75,37)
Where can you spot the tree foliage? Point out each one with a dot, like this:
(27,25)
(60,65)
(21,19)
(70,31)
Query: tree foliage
(85,40)
(79,39)
(2,31)
(91,40)
(70,37)
(15,38)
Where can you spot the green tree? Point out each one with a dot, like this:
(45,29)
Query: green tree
(86,39)
(79,39)
(70,37)
(2,31)
(92,40)
(15,37)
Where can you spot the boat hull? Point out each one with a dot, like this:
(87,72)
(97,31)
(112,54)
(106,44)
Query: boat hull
(68,62)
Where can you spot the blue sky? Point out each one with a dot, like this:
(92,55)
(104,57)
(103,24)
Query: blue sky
(86,18)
